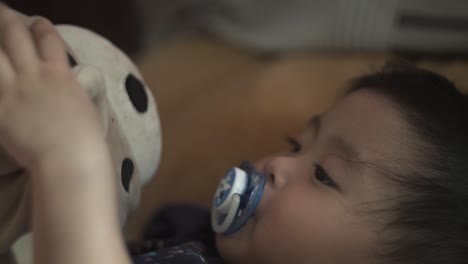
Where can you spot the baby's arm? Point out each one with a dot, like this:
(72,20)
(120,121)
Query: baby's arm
(74,212)
(49,125)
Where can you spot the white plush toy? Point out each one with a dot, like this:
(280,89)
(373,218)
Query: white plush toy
(128,112)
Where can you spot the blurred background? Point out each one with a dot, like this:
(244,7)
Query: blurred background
(417,27)
(117,20)
(256,67)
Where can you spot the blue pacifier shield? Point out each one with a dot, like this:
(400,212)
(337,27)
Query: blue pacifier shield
(251,195)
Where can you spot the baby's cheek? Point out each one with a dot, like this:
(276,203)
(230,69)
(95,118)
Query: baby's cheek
(279,230)
(298,223)
(237,247)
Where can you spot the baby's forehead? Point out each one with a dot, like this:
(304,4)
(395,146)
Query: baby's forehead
(367,116)
(373,127)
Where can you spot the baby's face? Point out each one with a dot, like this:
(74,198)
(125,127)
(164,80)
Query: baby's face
(314,205)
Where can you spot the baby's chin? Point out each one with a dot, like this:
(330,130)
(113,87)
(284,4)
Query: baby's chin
(235,247)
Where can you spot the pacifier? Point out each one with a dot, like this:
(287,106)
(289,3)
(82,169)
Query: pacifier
(236,198)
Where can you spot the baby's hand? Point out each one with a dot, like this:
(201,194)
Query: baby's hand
(43,110)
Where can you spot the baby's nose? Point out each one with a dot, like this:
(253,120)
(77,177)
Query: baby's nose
(276,171)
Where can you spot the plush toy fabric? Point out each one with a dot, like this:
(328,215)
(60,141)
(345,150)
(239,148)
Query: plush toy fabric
(129,114)
(127,107)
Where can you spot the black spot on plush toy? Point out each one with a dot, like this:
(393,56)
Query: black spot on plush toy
(127,173)
(136,93)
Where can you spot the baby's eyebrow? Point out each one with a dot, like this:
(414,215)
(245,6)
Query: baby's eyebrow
(315,122)
(348,151)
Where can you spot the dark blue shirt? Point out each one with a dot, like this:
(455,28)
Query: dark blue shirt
(177,234)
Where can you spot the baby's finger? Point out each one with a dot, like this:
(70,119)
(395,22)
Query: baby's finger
(17,41)
(48,42)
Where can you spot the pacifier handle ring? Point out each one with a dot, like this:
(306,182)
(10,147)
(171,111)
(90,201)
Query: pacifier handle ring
(239,186)
(221,228)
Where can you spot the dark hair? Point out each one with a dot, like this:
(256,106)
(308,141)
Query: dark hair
(430,217)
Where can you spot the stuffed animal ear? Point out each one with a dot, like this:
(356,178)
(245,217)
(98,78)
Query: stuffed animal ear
(93,80)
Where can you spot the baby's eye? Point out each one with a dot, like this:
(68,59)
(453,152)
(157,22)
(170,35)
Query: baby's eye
(296,147)
(322,176)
